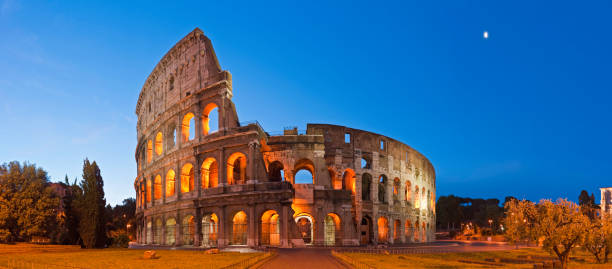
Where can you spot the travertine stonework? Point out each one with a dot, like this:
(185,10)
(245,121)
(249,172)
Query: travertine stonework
(236,185)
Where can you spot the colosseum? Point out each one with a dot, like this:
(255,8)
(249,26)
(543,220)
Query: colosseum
(205,179)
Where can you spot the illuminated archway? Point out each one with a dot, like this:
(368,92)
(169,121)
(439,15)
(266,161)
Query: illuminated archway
(170,183)
(158,231)
(270,228)
(366,230)
(149,150)
(332,229)
(335,180)
(187,127)
(276,172)
(366,186)
(304,172)
(396,188)
(397,224)
(423,199)
(417,198)
(210,112)
(210,173)
(239,228)
(159,143)
(149,232)
(408,230)
(236,168)
(424,232)
(408,186)
(348,180)
(416,232)
(383,230)
(187,182)
(305,227)
(209,230)
(188,226)
(170,231)
(148,190)
(157,187)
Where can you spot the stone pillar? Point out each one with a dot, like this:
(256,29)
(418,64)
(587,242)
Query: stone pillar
(177,181)
(251,175)
(221,232)
(178,230)
(285,219)
(222,167)
(197,174)
(197,234)
(251,229)
(319,227)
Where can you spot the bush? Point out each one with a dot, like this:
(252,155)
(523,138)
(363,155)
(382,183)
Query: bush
(121,240)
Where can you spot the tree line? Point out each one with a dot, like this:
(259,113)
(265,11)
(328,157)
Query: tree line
(31,208)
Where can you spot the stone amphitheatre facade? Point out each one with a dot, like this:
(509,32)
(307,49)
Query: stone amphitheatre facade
(235,184)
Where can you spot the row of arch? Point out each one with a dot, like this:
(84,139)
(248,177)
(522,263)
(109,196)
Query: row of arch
(386,230)
(422,198)
(210,124)
(165,232)
(153,188)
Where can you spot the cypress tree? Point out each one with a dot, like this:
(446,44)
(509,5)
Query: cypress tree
(91,205)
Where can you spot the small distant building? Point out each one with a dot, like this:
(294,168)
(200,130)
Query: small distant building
(606,201)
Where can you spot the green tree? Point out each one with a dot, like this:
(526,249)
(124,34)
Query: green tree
(90,203)
(519,221)
(598,239)
(69,233)
(28,205)
(562,226)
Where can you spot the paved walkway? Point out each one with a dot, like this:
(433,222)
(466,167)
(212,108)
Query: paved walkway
(313,258)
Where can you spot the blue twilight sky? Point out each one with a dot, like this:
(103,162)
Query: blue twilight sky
(523,113)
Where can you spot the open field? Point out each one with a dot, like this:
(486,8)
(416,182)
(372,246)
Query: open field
(74,257)
(492,259)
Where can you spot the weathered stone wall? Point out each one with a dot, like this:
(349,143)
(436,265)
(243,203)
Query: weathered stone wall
(236,186)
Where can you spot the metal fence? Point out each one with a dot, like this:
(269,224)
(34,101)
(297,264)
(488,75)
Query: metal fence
(352,262)
(20,264)
(246,263)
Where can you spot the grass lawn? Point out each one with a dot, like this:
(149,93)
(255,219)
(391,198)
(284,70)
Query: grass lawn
(114,257)
(506,259)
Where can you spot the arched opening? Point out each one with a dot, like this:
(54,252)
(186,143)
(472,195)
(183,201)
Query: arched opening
(157,187)
(408,186)
(159,146)
(209,230)
(210,173)
(366,163)
(348,179)
(304,172)
(305,228)
(210,119)
(276,172)
(397,224)
(424,232)
(270,228)
(335,180)
(188,127)
(148,190)
(417,200)
(396,189)
(332,229)
(173,136)
(188,226)
(149,233)
(170,183)
(428,199)
(170,231)
(187,182)
(366,183)
(417,232)
(366,230)
(239,228)
(158,232)
(383,230)
(423,199)
(236,168)
(149,151)
(382,189)
(408,230)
